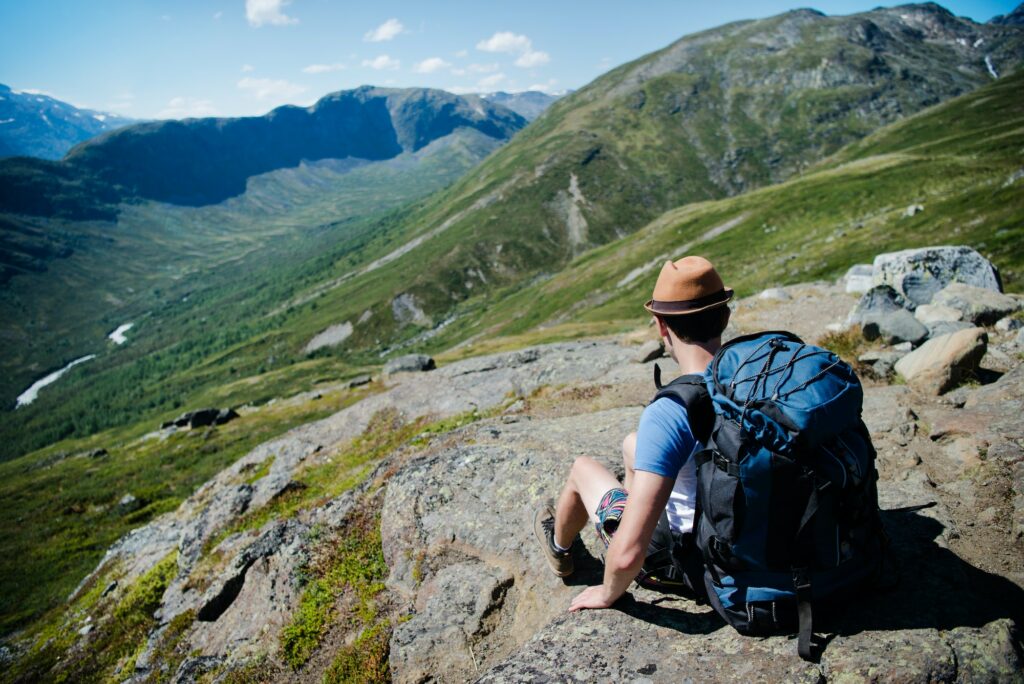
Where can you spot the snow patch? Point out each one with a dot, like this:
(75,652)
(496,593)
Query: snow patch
(100,117)
(575,221)
(32,393)
(406,310)
(991,68)
(3,121)
(978,42)
(117,337)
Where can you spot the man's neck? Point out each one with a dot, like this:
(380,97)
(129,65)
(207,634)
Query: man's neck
(694,357)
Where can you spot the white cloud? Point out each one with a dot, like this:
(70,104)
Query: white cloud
(488,82)
(217,15)
(270,89)
(248,68)
(430,65)
(382,62)
(548,87)
(386,31)
(505,41)
(165,17)
(460,90)
(186,107)
(515,44)
(260,12)
(533,58)
(323,68)
(462,53)
(477,69)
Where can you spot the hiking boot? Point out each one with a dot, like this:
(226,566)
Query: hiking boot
(544,529)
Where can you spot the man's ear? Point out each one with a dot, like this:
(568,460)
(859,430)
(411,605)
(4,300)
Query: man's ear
(662,328)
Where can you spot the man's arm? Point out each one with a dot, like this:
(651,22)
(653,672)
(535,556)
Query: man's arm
(628,548)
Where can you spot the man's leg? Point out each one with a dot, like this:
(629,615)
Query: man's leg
(588,481)
(629,457)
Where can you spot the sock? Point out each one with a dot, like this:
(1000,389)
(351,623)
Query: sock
(556,547)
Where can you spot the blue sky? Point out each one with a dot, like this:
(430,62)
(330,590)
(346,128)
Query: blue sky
(170,59)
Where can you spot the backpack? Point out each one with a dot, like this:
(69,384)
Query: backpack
(787,504)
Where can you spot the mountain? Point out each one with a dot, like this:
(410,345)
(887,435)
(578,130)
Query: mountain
(63,280)
(711,116)
(1014,18)
(528,104)
(197,162)
(37,125)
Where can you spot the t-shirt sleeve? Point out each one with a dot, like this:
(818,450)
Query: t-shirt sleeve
(663,440)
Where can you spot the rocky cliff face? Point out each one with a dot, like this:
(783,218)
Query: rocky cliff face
(450,587)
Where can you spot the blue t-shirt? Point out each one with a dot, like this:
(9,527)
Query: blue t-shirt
(664,440)
(664,446)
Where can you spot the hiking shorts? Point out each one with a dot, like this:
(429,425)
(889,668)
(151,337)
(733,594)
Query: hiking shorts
(673,564)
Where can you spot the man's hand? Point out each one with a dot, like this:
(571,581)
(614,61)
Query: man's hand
(592,597)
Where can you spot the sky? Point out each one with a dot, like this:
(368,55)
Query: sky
(174,59)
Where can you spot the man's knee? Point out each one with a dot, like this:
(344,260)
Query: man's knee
(629,450)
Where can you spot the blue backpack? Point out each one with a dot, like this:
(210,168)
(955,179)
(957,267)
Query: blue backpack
(787,502)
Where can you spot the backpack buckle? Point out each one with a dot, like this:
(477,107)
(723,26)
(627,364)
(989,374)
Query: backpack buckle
(725,465)
(801,580)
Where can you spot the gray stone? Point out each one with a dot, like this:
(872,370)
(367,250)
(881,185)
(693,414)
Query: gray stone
(1009,324)
(940,328)
(980,305)
(934,313)
(776,294)
(410,363)
(913,210)
(859,278)
(359,381)
(918,274)
(649,351)
(193,667)
(1019,340)
(893,327)
(128,504)
(943,362)
(881,299)
(98,453)
(881,363)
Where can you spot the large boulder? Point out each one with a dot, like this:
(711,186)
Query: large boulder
(942,363)
(936,313)
(410,363)
(859,279)
(881,299)
(894,327)
(979,305)
(940,328)
(918,274)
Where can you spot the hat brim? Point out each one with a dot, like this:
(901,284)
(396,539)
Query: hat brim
(686,308)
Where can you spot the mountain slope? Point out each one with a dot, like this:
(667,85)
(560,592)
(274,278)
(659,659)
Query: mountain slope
(37,125)
(528,104)
(196,162)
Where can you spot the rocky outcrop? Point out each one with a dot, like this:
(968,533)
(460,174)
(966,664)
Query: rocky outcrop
(410,363)
(944,362)
(979,305)
(202,418)
(918,274)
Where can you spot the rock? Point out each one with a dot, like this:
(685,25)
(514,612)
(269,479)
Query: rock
(882,363)
(225,416)
(880,299)
(128,503)
(776,294)
(85,629)
(940,328)
(935,313)
(1009,324)
(894,327)
(979,305)
(860,278)
(902,347)
(410,363)
(359,381)
(98,453)
(108,589)
(194,667)
(942,363)
(1019,340)
(440,637)
(203,417)
(913,210)
(649,351)
(918,274)
(331,337)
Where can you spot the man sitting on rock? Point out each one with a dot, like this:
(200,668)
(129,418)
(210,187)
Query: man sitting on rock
(647,521)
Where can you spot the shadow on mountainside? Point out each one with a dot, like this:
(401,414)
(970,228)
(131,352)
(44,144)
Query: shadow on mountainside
(932,588)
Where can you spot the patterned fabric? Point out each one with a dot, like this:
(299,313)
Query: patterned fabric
(609,511)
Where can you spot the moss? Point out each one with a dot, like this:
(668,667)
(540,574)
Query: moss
(363,661)
(262,471)
(350,564)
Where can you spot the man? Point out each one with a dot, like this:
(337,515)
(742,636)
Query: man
(690,307)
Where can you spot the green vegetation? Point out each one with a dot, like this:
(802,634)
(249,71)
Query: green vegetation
(61,509)
(115,640)
(350,563)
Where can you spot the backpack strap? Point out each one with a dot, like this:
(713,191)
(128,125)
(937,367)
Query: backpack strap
(690,391)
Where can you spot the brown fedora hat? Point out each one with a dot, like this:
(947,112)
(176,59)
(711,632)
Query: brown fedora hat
(686,287)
